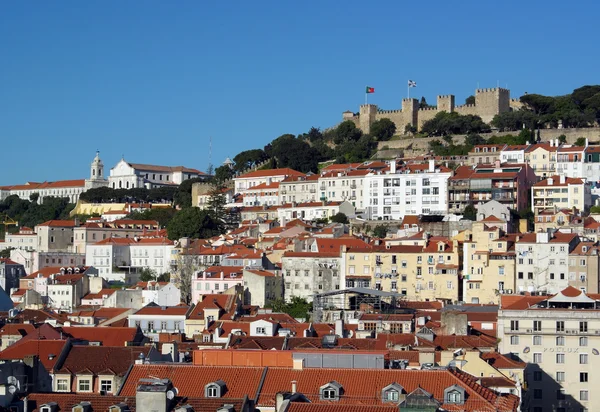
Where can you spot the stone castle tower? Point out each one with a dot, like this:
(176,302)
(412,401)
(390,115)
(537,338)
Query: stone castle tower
(97,178)
(488,103)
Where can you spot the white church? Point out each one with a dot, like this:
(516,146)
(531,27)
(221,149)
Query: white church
(124,175)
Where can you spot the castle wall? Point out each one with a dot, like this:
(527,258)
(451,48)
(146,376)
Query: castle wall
(488,103)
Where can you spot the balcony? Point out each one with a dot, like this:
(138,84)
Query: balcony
(553,331)
(353,186)
(312,190)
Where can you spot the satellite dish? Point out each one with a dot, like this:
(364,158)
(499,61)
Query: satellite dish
(171,394)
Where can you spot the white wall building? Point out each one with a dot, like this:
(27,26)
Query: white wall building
(414,189)
(248,180)
(313,210)
(127,175)
(344,186)
(300,189)
(543,261)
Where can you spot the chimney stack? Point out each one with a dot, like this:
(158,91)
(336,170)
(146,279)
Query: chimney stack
(294,386)
(393,167)
(431,165)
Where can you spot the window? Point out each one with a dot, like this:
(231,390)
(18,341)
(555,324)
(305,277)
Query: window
(583,341)
(560,358)
(212,392)
(537,376)
(583,395)
(150,325)
(537,394)
(537,340)
(560,341)
(583,326)
(106,385)
(537,325)
(84,385)
(163,325)
(392,396)
(62,385)
(583,376)
(514,325)
(583,358)
(329,394)
(560,326)
(514,340)
(454,396)
(560,376)
(260,330)
(537,357)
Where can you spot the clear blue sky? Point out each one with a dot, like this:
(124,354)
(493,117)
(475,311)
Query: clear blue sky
(154,79)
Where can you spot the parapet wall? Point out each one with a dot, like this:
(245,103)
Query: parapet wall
(488,103)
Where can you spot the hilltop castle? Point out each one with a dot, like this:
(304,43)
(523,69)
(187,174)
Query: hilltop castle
(488,103)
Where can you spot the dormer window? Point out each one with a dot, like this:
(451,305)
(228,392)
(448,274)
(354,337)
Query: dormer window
(331,391)
(454,394)
(392,393)
(214,389)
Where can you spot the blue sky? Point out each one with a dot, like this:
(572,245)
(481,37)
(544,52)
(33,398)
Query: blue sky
(153,80)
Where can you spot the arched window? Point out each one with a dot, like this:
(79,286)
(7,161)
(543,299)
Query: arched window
(331,391)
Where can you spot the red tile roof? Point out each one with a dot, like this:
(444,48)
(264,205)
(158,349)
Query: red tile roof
(556,181)
(113,336)
(154,309)
(66,401)
(101,359)
(58,223)
(48,351)
(315,407)
(166,169)
(500,361)
(190,379)
(271,172)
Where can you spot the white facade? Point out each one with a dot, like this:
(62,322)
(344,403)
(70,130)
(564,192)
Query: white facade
(513,154)
(344,186)
(127,175)
(313,211)
(393,195)
(305,274)
(24,240)
(543,264)
(263,194)
(248,180)
(162,295)
(298,189)
(97,178)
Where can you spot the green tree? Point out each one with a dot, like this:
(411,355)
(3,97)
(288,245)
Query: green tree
(248,158)
(380,231)
(294,153)
(147,275)
(423,103)
(223,174)
(383,129)
(562,139)
(5,253)
(162,215)
(193,223)
(470,100)
(409,129)
(474,140)
(298,308)
(595,209)
(339,218)
(580,141)
(33,198)
(314,134)
(445,123)
(347,132)
(515,120)
(470,212)
(216,205)
(183,195)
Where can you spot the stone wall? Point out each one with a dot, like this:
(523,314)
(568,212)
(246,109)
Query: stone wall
(488,103)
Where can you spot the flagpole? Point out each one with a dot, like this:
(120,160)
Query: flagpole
(408,89)
(366,96)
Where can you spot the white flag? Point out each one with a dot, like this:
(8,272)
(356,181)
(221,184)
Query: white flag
(412,83)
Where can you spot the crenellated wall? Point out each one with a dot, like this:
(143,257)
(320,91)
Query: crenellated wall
(488,103)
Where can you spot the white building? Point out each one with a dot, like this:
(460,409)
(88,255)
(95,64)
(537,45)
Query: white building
(414,189)
(300,189)
(513,154)
(97,178)
(71,189)
(161,293)
(543,261)
(313,210)
(248,180)
(262,194)
(308,273)
(25,239)
(116,258)
(344,186)
(127,175)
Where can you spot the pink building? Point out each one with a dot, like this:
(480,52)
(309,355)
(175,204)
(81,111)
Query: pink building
(215,280)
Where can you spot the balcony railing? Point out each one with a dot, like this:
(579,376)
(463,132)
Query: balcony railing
(554,331)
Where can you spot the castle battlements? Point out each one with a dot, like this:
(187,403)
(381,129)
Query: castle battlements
(492,90)
(488,103)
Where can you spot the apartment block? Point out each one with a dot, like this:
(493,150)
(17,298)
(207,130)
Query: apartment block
(560,192)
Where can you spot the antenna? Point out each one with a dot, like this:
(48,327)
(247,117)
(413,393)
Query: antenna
(210,150)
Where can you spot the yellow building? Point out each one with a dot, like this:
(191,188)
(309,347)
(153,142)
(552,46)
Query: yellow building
(561,192)
(542,159)
(488,264)
(420,272)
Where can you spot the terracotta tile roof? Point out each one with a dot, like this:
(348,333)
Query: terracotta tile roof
(367,389)
(519,302)
(7,261)
(101,359)
(496,382)
(215,301)
(66,401)
(58,223)
(334,245)
(17,329)
(190,379)
(263,273)
(165,169)
(154,309)
(271,172)
(301,343)
(500,361)
(556,181)
(44,349)
(258,342)
(55,270)
(264,186)
(215,272)
(492,218)
(107,336)
(145,285)
(290,254)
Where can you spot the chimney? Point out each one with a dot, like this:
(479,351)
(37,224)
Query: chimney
(586,142)
(393,167)
(550,181)
(556,142)
(431,165)
(562,179)
(551,143)
(153,395)
(497,164)
(297,364)
(294,386)
(339,328)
